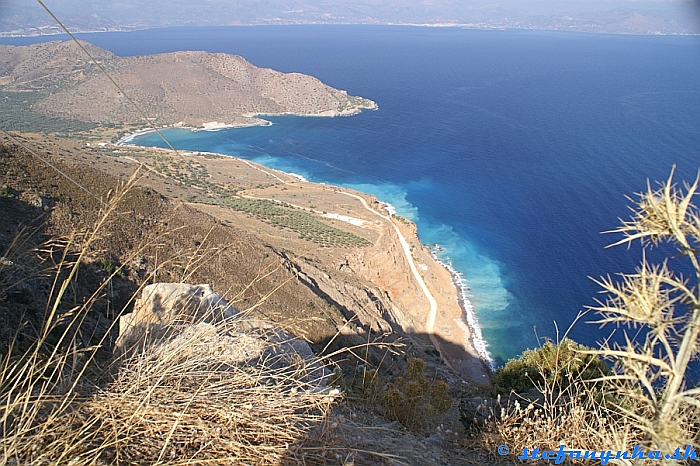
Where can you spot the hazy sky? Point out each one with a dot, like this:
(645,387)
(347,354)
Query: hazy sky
(538,6)
(531,6)
(147,13)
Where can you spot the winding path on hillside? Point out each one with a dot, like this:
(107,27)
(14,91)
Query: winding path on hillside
(432,315)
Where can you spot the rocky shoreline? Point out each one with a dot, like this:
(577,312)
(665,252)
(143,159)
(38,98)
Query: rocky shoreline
(455,326)
(254,121)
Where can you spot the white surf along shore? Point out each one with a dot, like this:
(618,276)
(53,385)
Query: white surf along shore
(253,119)
(128,138)
(468,324)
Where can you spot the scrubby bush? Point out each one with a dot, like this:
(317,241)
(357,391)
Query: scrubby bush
(557,365)
(411,399)
(415,401)
(108,266)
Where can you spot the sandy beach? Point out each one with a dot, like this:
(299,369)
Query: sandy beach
(453,329)
(248,120)
(455,324)
(427,296)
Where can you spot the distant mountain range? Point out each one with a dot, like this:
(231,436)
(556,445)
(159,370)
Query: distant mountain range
(28,19)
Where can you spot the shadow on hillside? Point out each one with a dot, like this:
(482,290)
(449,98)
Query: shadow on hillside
(34,264)
(23,286)
(26,280)
(467,366)
(374,437)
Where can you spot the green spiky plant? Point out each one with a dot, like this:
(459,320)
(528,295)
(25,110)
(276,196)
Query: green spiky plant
(659,312)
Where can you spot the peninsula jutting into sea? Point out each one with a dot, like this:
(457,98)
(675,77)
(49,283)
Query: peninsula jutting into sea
(183,88)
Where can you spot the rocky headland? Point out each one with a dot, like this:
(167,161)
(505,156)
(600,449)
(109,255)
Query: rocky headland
(375,271)
(179,88)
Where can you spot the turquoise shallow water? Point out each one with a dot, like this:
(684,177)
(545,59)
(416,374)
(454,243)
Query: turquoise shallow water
(512,150)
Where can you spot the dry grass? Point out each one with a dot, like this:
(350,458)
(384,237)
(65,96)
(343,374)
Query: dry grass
(189,400)
(567,407)
(647,400)
(183,402)
(573,417)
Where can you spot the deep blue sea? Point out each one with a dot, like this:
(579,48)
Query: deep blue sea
(512,150)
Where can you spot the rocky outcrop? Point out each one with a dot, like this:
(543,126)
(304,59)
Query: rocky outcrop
(164,309)
(360,302)
(178,315)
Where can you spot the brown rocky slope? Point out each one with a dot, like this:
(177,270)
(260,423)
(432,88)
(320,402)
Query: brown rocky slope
(337,248)
(191,88)
(305,287)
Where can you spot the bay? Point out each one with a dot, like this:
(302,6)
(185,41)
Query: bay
(512,150)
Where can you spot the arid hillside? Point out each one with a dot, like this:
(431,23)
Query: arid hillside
(332,241)
(316,261)
(191,88)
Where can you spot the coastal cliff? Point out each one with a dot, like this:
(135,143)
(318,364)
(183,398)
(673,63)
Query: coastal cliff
(341,246)
(368,266)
